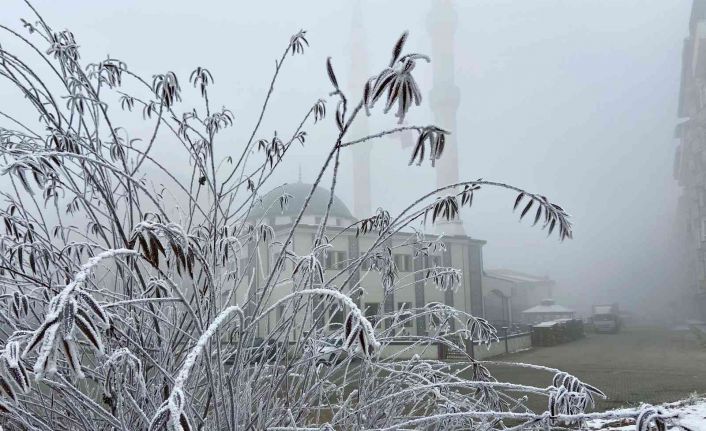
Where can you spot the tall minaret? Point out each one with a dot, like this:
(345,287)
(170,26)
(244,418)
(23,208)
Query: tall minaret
(359,128)
(444,96)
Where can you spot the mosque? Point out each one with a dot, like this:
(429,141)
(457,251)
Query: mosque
(461,251)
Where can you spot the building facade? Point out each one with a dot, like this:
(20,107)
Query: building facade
(460,252)
(506,293)
(690,165)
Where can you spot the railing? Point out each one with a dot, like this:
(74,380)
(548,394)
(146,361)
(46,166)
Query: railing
(508,342)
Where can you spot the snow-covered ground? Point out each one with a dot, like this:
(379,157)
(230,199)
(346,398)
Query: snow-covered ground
(690,413)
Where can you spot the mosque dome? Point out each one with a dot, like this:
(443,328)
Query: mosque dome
(270,203)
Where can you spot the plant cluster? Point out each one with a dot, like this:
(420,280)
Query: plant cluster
(127,292)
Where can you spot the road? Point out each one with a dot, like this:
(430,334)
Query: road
(639,364)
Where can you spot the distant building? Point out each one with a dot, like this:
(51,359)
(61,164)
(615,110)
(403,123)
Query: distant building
(546,311)
(507,293)
(690,164)
(461,251)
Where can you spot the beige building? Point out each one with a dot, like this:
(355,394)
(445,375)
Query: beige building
(461,252)
(507,293)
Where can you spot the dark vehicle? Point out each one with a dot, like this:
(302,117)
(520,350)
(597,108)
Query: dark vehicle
(329,351)
(260,351)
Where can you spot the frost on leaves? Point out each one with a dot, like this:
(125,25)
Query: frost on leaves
(397,81)
(154,329)
(73,309)
(13,374)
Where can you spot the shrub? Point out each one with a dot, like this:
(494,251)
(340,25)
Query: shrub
(128,304)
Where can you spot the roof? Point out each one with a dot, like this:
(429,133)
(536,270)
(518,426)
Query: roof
(551,323)
(548,306)
(270,203)
(603,309)
(516,276)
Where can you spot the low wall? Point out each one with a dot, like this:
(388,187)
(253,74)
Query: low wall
(515,343)
(407,350)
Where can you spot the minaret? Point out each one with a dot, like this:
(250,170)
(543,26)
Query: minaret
(359,128)
(444,96)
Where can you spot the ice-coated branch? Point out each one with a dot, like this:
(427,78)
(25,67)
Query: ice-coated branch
(86,269)
(299,373)
(172,412)
(384,133)
(65,315)
(201,343)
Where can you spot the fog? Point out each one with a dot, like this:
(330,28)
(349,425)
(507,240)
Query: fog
(574,100)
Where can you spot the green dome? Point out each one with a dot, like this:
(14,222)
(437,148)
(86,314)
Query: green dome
(270,205)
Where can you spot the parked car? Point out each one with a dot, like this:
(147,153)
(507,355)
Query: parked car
(260,351)
(328,350)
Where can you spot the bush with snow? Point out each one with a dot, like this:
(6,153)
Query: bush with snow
(120,299)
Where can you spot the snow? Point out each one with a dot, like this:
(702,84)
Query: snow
(514,276)
(603,309)
(690,413)
(550,323)
(552,308)
(694,416)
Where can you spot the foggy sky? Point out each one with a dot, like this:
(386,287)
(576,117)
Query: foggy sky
(574,100)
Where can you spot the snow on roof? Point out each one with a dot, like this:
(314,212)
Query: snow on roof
(551,323)
(545,324)
(603,309)
(270,205)
(548,306)
(515,276)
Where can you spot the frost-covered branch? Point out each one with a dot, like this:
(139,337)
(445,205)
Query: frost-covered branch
(143,341)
